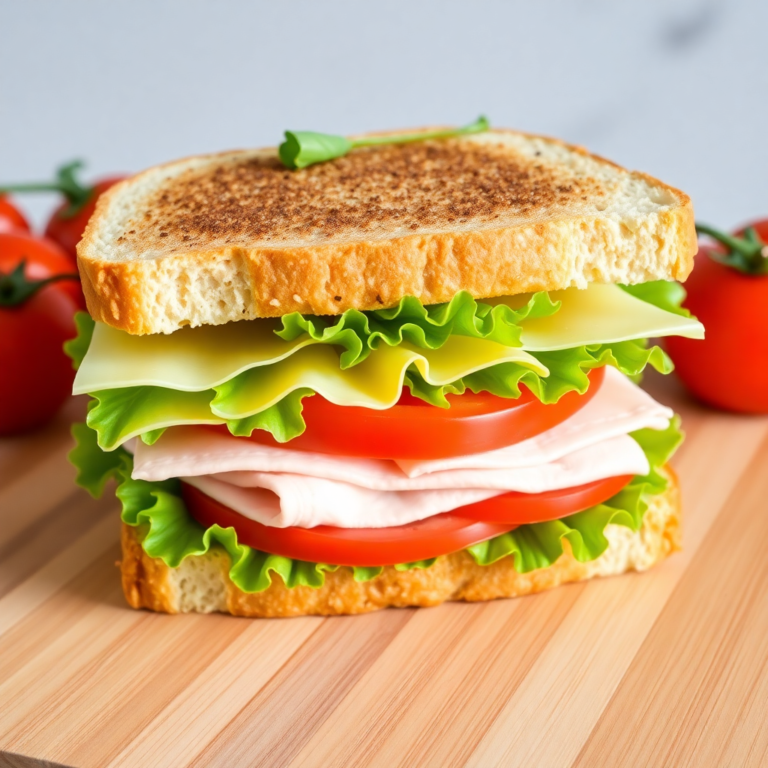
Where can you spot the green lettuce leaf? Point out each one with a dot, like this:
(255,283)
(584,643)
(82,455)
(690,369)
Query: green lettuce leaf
(151,437)
(540,544)
(146,411)
(283,419)
(359,333)
(428,327)
(665,294)
(567,372)
(171,534)
(116,414)
(77,347)
(120,413)
(94,466)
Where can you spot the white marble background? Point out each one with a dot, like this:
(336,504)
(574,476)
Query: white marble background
(677,88)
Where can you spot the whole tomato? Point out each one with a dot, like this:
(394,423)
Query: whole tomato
(68,221)
(760,228)
(36,318)
(728,292)
(11,218)
(43,259)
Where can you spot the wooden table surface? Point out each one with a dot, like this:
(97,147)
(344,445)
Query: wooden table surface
(665,668)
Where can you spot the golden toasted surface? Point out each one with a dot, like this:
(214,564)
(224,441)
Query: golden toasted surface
(398,188)
(202,583)
(219,238)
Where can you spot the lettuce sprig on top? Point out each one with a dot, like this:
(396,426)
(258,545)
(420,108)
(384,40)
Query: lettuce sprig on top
(167,531)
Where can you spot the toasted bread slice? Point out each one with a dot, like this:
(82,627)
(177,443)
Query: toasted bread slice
(202,583)
(235,236)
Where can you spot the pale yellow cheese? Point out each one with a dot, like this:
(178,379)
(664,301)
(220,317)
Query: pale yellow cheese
(196,359)
(603,314)
(375,383)
(189,360)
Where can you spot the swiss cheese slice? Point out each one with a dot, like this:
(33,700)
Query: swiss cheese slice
(197,359)
(603,314)
(375,383)
(189,360)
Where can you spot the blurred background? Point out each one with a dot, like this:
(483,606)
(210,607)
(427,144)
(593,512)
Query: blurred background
(676,88)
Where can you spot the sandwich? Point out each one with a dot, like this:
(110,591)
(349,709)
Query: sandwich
(397,376)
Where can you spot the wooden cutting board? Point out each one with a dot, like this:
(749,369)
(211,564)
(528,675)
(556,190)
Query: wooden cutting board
(665,668)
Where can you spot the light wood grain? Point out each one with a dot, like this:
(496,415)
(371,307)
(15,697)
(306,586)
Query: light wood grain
(665,668)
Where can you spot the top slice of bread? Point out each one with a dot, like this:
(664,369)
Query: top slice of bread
(234,236)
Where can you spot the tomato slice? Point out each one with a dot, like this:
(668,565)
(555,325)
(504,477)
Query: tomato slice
(437,535)
(434,536)
(517,508)
(413,429)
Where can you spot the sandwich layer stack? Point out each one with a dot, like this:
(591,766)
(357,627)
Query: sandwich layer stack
(403,376)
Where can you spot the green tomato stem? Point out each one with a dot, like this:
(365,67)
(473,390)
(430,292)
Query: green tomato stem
(44,186)
(16,288)
(748,254)
(66,183)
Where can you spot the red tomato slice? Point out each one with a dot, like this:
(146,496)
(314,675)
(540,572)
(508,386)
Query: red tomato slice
(413,429)
(434,536)
(523,508)
(437,535)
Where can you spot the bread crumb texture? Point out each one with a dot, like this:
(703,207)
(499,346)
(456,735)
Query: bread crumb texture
(202,583)
(218,238)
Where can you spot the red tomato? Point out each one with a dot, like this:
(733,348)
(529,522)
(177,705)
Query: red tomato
(36,374)
(523,508)
(66,230)
(11,218)
(43,259)
(434,536)
(760,227)
(729,368)
(414,429)
(437,535)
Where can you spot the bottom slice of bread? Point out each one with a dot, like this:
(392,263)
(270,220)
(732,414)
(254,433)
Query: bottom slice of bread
(202,583)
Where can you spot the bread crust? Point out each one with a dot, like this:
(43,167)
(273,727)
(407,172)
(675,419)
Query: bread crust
(539,250)
(148,583)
